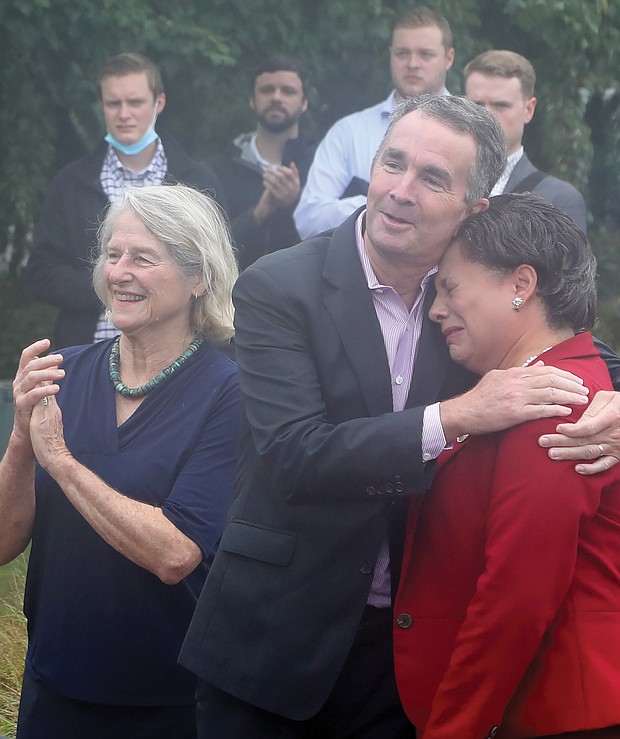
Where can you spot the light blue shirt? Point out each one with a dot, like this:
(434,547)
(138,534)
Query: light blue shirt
(346,152)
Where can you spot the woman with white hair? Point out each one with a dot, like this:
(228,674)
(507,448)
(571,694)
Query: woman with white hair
(119,472)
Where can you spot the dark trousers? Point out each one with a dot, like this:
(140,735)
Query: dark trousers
(44,714)
(364,703)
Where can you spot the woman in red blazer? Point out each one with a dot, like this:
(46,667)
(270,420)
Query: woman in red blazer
(508,612)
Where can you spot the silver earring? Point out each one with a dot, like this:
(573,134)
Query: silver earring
(517,303)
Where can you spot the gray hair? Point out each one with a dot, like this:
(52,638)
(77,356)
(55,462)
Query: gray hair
(193,229)
(524,229)
(466,118)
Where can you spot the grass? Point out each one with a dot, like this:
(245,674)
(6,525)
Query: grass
(12,642)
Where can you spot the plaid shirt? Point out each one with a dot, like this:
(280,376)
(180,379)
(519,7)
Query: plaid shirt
(115,178)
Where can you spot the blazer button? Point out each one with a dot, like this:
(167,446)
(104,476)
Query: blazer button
(389,488)
(371,490)
(398,485)
(367,568)
(404,620)
(492,732)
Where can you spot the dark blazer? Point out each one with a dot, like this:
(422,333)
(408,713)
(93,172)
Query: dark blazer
(555,191)
(59,271)
(323,463)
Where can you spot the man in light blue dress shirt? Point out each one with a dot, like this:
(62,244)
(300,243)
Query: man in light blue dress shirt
(421,54)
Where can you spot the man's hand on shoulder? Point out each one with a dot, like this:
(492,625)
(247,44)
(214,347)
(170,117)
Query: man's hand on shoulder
(505,398)
(595,436)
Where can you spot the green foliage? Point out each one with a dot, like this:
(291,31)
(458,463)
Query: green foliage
(50,54)
(22,321)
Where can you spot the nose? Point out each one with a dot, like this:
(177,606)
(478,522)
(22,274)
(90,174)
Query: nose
(437,312)
(403,189)
(412,61)
(118,271)
(124,110)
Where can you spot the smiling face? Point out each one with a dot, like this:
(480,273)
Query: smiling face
(416,197)
(503,97)
(475,311)
(419,61)
(146,291)
(129,107)
(278,100)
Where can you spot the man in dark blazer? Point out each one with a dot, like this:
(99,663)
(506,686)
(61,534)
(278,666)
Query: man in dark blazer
(292,633)
(503,82)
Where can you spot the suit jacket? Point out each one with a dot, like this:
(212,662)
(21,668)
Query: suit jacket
(555,191)
(323,461)
(509,600)
(59,271)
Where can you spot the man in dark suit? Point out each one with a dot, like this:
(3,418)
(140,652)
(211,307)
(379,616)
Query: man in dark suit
(341,370)
(503,83)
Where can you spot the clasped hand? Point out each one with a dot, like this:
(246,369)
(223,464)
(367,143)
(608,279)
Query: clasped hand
(37,416)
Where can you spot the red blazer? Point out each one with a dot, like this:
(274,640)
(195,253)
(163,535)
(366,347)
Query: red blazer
(508,611)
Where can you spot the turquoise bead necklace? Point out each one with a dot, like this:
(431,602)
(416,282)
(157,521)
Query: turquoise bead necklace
(140,392)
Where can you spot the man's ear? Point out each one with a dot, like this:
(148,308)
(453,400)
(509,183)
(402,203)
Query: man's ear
(478,207)
(161,103)
(530,107)
(449,58)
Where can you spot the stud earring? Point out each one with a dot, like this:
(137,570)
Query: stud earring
(517,303)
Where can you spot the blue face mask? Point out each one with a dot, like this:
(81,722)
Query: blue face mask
(138,146)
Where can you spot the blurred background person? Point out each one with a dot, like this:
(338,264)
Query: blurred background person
(263,171)
(421,53)
(132,154)
(508,610)
(503,82)
(134,439)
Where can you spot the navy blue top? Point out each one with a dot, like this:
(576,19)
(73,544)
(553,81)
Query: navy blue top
(101,628)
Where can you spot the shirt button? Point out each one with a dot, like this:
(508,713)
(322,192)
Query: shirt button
(404,620)
(426,457)
(399,380)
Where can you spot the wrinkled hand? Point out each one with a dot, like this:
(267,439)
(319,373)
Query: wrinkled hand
(47,433)
(505,398)
(595,436)
(34,380)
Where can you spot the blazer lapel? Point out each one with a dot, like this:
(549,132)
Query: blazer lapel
(349,303)
(522,169)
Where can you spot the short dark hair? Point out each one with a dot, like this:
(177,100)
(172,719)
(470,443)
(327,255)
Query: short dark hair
(507,64)
(422,17)
(521,228)
(466,118)
(132,63)
(281,63)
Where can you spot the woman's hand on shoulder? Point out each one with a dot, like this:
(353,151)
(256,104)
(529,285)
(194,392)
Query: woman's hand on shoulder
(594,438)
